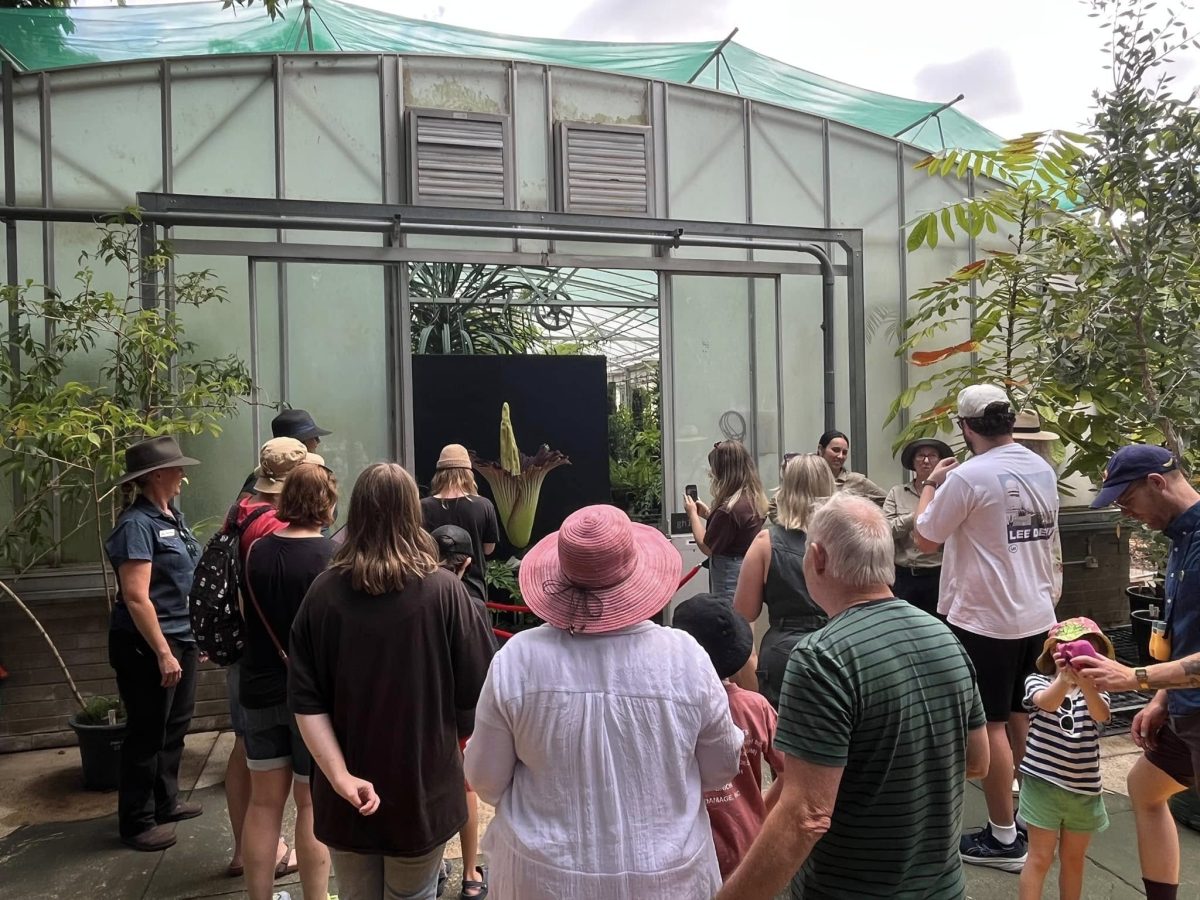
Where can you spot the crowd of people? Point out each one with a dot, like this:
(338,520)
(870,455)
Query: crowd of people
(912,644)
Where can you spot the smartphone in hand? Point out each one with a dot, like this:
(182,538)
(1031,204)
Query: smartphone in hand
(690,490)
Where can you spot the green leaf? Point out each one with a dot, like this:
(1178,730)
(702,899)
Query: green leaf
(916,236)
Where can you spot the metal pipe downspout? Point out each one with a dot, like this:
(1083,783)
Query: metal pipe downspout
(828,281)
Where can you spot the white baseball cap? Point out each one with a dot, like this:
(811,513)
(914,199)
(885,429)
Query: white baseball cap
(973,401)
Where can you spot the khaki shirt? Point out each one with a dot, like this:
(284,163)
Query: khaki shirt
(900,508)
(861,485)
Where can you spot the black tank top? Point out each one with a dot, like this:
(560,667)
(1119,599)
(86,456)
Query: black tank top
(789,605)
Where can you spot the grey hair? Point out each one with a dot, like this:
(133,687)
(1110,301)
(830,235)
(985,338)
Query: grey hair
(1044,449)
(857,541)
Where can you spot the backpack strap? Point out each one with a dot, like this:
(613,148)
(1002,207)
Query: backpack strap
(253,599)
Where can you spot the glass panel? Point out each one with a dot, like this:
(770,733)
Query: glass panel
(581,96)
(27,143)
(466,85)
(802,363)
(531,145)
(222,111)
(337,362)
(925,266)
(863,193)
(331,130)
(766,391)
(713,397)
(786,164)
(107,135)
(219,329)
(707,163)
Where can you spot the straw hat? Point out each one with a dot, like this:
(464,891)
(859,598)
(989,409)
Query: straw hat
(276,459)
(1028,427)
(599,572)
(1072,630)
(454,456)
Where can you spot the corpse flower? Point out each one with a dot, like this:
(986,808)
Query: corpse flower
(516,481)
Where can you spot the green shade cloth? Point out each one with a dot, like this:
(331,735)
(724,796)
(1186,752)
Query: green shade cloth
(44,39)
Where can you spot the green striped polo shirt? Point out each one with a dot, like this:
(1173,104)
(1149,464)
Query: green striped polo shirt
(886,693)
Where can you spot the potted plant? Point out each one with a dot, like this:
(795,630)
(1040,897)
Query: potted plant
(64,440)
(100,727)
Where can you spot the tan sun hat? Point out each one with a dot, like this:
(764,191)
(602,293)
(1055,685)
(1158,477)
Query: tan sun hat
(1028,427)
(454,456)
(276,459)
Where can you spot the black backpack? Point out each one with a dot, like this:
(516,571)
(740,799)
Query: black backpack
(213,602)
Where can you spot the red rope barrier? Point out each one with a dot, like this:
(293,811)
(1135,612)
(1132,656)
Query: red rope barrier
(689,576)
(507,607)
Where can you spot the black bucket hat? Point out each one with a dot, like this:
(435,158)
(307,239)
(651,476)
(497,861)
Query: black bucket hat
(298,424)
(725,636)
(154,453)
(911,448)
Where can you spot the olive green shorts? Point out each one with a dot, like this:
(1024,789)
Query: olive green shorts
(1048,806)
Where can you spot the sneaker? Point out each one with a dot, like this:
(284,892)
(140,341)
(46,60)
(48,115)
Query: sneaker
(979,848)
(182,810)
(281,895)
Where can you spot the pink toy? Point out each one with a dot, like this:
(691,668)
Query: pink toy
(1075,649)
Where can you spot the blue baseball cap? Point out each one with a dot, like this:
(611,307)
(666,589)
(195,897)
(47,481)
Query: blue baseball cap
(1130,464)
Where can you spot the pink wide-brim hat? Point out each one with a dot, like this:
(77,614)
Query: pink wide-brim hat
(600,572)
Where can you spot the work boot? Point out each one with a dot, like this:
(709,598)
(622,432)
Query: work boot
(180,811)
(160,837)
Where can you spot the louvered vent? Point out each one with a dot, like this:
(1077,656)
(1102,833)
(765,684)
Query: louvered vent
(605,169)
(459,159)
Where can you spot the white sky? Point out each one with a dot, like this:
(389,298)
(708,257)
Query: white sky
(1024,65)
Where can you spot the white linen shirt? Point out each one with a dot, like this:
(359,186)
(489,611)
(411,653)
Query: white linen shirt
(595,751)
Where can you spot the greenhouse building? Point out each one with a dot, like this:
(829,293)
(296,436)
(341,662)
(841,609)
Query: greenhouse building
(415,224)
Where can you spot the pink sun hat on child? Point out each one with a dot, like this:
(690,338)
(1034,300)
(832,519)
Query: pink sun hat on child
(1068,630)
(600,572)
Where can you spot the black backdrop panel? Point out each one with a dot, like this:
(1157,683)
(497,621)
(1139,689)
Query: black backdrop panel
(557,400)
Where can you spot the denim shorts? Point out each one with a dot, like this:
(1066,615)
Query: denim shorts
(273,741)
(1048,806)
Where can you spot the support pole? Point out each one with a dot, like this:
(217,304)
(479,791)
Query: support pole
(716,52)
(929,115)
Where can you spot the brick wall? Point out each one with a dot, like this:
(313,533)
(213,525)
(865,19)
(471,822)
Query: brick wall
(35,701)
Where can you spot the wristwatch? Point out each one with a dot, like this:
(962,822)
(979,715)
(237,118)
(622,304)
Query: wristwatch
(1143,678)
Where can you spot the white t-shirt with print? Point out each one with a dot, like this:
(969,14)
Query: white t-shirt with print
(997,515)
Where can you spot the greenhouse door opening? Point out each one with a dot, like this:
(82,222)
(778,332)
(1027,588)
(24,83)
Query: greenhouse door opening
(550,378)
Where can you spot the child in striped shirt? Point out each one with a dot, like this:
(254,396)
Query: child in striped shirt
(1061,792)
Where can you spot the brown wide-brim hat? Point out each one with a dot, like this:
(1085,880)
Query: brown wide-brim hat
(600,572)
(454,456)
(909,453)
(276,460)
(146,456)
(1072,630)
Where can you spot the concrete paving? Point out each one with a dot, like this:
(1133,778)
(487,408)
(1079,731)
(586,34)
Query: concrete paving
(63,840)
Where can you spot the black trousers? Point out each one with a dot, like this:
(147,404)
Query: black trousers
(157,720)
(919,590)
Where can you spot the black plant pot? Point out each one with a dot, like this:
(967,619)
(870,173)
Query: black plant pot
(1143,596)
(100,752)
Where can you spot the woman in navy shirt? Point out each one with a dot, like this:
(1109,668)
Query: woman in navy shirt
(150,643)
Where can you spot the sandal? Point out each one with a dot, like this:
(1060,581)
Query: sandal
(283,867)
(481,885)
(443,877)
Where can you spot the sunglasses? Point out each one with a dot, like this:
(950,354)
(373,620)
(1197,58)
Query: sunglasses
(1066,717)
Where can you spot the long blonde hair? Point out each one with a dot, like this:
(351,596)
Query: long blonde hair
(807,482)
(733,473)
(456,479)
(386,548)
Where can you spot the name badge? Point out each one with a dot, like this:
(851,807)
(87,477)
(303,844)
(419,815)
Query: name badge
(167,532)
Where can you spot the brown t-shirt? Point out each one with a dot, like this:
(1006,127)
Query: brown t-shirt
(731,529)
(392,672)
(737,811)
